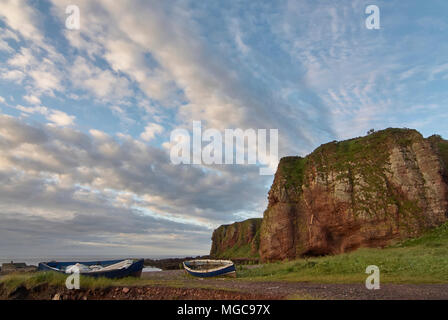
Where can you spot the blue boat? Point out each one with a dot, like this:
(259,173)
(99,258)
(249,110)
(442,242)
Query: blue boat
(210,268)
(108,269)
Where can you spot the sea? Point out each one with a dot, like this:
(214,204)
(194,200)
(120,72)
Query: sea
(34,261)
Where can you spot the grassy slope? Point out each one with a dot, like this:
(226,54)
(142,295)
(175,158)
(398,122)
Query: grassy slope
(421,260)
(52,278)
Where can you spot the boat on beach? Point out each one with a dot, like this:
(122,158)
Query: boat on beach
(210,268)
(108,269)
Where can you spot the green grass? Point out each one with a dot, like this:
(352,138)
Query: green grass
(238,251)
(293,170)
(443,149)
(421,260)
(31,280)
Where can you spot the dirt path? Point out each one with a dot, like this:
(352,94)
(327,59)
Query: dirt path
(310,290)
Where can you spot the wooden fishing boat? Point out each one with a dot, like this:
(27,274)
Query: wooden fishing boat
(107,269)
(210,268)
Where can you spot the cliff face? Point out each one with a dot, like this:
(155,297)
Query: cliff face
(362,192)
(237,240)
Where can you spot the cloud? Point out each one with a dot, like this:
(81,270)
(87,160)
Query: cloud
(151,130)
(13,75)
(23,59)
(61,118)
(103,84)
(37,109)
(32,99)
(98,187)
(20,16)
(4,46)
(57,117)
(40,73)
(174,66)
(133,73)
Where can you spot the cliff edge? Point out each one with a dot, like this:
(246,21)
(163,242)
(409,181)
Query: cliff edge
(363,192)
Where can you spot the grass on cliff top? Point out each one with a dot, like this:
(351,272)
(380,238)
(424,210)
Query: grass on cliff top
(293,170)
(420,260)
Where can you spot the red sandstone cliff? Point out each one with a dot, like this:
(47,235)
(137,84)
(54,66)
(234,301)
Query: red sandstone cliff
(237,240)
(362,192)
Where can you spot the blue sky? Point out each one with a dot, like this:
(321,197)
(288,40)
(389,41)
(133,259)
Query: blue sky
(86,115)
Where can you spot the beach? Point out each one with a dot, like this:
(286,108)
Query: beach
(176,285)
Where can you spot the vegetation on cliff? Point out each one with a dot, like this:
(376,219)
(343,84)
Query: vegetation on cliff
(237,240)
(362,192)
(441,147)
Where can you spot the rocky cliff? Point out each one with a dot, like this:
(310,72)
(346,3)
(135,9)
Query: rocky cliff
(363,192)
(237,240)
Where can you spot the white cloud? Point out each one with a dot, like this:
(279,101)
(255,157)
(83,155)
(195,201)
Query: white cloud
(151,130)
(40,73)
(46,80)
(61,118)
(99,135)
(103,84)
(4,46)
(32,99)
(36,109)
(21,17)
(56,117)
(13,75)
(23,59)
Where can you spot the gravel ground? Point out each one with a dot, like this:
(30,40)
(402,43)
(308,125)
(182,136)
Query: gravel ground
(230,288)
(284,289)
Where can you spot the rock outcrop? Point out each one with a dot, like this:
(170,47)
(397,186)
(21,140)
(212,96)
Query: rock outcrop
(363,192)
(237,240)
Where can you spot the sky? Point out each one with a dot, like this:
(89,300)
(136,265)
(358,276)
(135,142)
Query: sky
(86,115)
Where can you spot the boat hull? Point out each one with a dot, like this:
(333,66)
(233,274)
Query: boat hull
(134,270)
(228,270)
